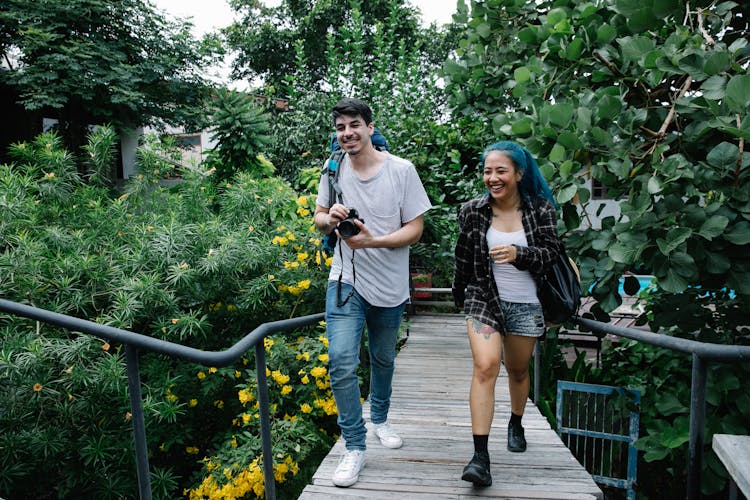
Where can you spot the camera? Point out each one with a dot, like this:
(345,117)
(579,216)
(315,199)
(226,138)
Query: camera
(347,227)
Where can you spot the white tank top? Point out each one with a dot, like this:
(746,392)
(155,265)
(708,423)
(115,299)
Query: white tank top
(512,284)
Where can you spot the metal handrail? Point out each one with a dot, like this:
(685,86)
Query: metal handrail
(701,353)
(133,341)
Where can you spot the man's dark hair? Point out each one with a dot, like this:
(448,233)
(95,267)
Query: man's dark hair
(352,107)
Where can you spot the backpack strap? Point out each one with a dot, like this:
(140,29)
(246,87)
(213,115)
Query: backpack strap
(332,170)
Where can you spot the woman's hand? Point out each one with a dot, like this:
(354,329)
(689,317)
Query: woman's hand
(503,254)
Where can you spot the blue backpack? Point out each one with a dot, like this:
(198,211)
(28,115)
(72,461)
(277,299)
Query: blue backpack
(331,169)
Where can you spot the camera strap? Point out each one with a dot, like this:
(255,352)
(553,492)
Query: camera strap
(334,193)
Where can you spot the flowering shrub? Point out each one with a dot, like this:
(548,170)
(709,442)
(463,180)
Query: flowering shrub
(201,264)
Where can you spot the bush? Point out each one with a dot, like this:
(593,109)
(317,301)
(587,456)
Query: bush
(202,263)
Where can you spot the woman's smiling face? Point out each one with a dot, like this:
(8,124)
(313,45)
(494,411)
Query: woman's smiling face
(500,176)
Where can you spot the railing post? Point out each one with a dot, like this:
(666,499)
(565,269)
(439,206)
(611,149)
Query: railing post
(697,424)
(265,420)
(139,424)
(537,370)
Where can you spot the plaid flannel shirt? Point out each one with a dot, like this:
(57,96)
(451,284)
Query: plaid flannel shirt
(474,286)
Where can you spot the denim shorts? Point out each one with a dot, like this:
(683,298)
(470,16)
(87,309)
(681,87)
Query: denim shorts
(522,319)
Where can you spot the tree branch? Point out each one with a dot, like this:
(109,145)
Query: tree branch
(670,116)
(709,39)
(608,64)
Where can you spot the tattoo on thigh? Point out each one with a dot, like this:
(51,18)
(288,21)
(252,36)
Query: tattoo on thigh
(481,329)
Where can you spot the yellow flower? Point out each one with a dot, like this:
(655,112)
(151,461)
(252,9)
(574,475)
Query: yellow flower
(191,450)
(328,261)
(245,396)
(305,380)
(212,370)
(323,358)
(268,343)
(237,374)
(201,375)
(246,418)
(219,404)
(318,371)
(304,355)
(279,377)
(302,212)
(323,339)
(233,443)
(193,403)
(302,201)
(286,390)
(306,408)
(304,284)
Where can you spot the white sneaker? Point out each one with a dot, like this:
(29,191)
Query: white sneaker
(347,472)
(388,436)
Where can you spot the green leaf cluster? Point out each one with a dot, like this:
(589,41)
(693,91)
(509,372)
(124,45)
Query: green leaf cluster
(650,100)
(198,263)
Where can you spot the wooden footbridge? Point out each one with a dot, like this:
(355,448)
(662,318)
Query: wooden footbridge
(430,410)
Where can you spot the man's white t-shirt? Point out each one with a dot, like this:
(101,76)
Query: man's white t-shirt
(385,201)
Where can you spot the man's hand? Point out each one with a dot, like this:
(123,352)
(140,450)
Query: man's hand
(363,239)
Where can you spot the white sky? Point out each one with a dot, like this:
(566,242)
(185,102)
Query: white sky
(208,15)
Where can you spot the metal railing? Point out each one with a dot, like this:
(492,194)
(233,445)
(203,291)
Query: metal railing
(135,341)
(702,353)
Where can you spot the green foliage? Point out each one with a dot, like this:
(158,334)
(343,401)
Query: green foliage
(124,63)
(241,132)
(268,40)
(650,100)
(397,75)
(195,264)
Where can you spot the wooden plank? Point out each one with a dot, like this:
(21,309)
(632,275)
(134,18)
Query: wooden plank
(734,453)
(430,410)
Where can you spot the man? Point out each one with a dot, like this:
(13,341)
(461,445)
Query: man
(368,283)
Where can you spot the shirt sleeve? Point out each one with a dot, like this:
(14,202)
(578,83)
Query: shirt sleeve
(547,244)
(415,201)
(463,258)
(323,198)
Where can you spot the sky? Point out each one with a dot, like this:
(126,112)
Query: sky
(208,15)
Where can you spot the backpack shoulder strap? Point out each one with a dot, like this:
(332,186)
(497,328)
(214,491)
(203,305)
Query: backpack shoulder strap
(332,171)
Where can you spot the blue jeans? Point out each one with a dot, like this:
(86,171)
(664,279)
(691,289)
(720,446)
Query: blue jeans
(345,326)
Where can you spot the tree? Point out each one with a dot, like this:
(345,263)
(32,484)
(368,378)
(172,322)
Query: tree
(650,99)
(266,38)
(94,61)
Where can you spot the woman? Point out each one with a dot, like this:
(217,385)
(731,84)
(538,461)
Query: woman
(508,238)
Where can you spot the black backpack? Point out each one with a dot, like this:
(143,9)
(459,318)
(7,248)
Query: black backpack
(331,169)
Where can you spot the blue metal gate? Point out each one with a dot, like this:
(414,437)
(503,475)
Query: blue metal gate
(599,424)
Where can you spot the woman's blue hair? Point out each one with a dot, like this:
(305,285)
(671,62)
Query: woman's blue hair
(532,183)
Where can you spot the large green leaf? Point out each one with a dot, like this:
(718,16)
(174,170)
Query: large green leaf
(561,114)
(714,87)
(739,234)
(724,156)
(636,47)
(673,282)
(713,226)
(716,63)
(675,237)
(668,404)
(738,93)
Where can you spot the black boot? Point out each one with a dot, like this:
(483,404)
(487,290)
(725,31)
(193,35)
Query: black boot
(516,439)
(478,470)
